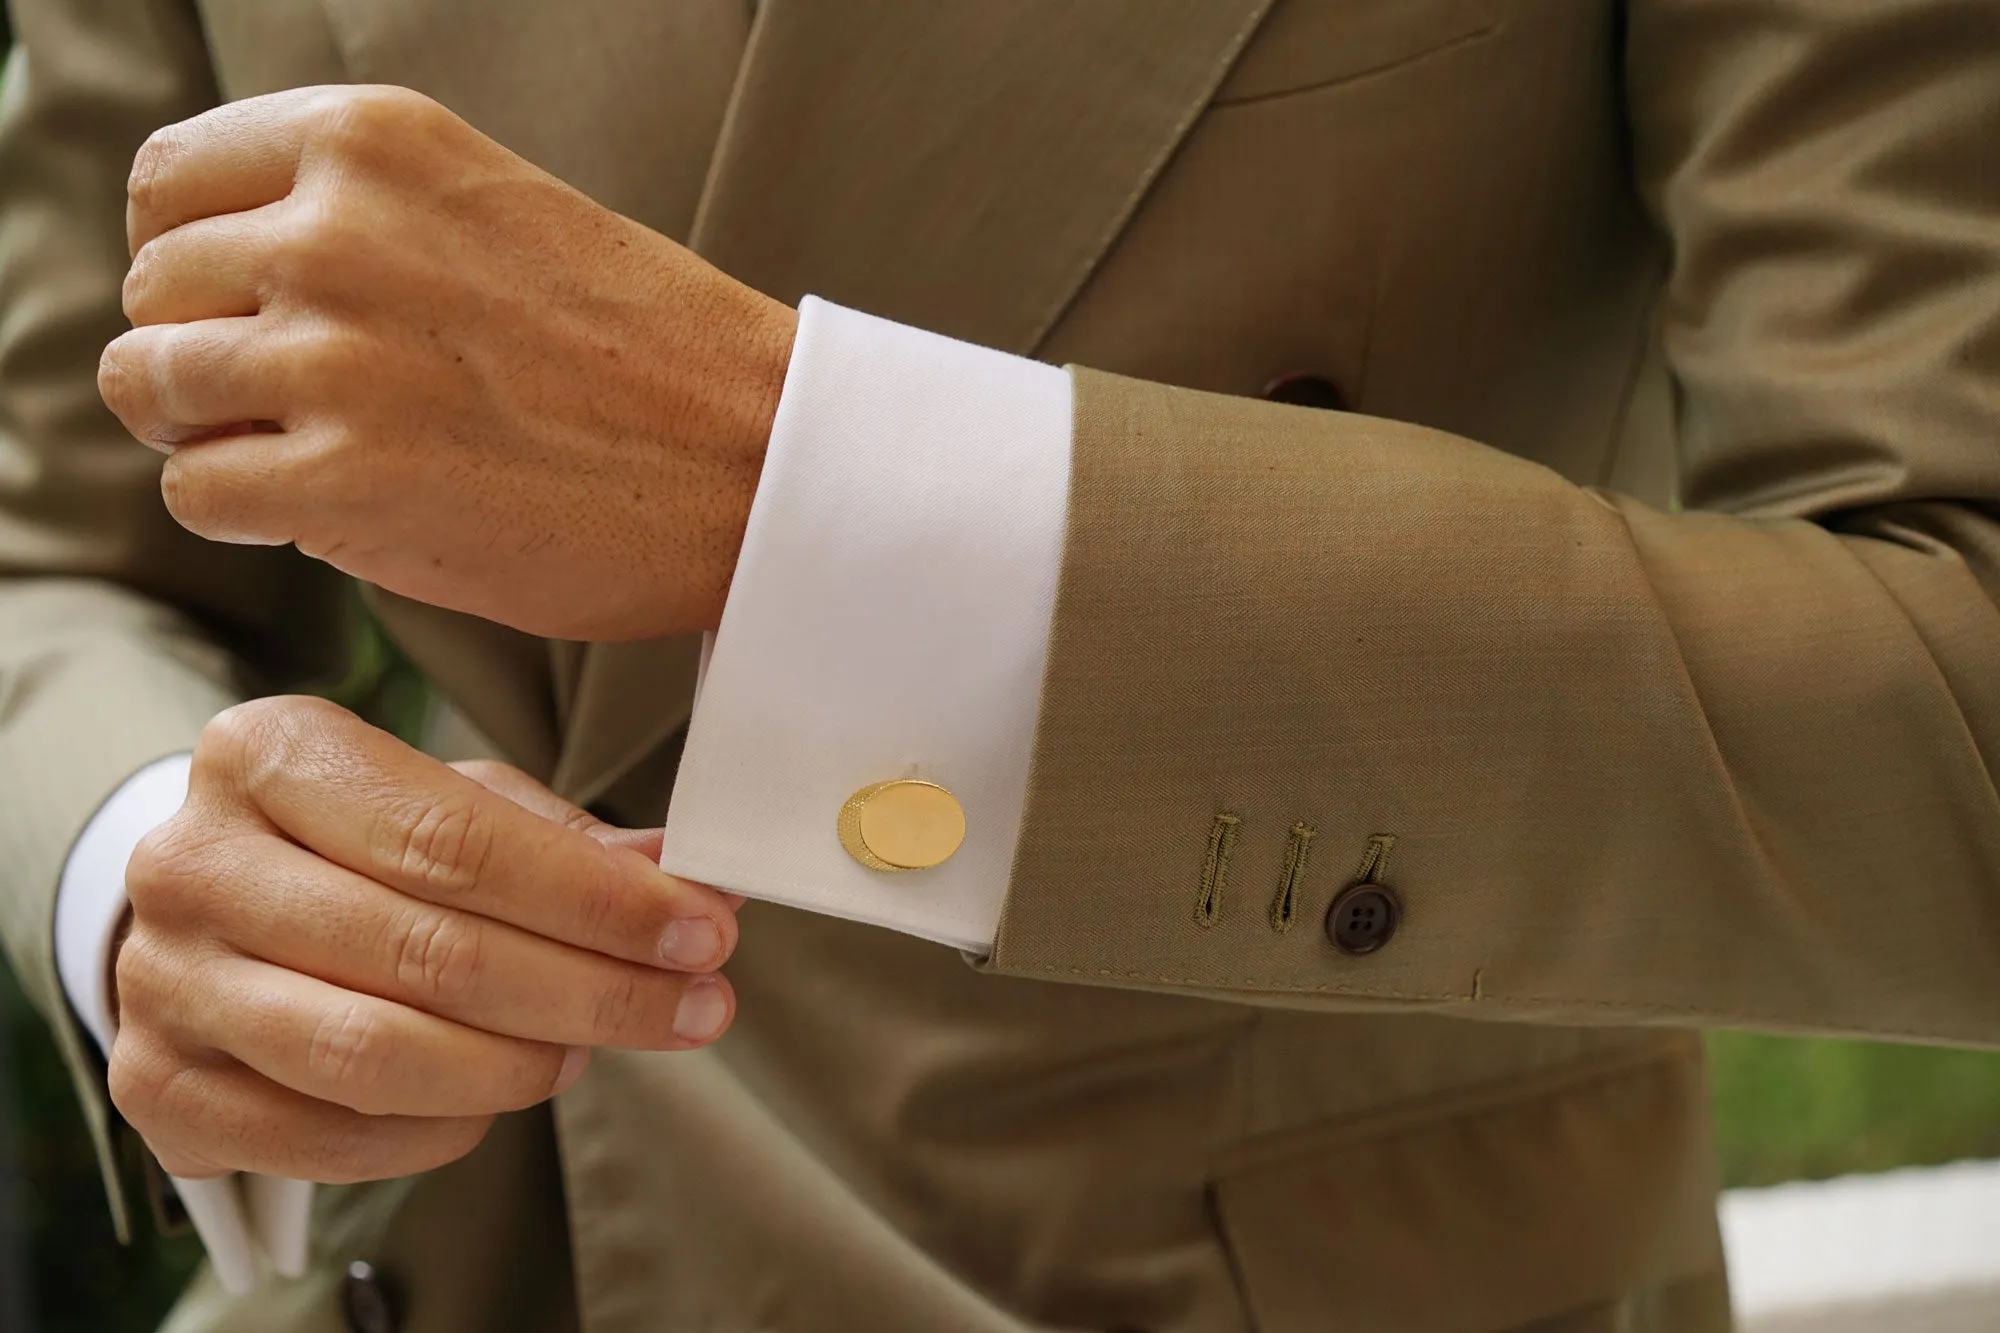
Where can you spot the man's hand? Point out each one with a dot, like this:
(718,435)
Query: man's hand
(345,957)
(363,327)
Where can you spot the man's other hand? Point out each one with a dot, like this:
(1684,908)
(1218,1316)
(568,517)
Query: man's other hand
(346,957)
(365,328)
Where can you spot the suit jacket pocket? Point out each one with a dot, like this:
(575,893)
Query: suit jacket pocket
(1308,44)
(1484,1215)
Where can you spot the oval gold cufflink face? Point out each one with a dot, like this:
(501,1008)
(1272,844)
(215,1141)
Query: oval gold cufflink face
(902,825)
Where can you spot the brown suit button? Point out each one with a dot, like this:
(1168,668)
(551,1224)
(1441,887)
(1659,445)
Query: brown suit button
(1304,389)
(1363,919)
(366,1303)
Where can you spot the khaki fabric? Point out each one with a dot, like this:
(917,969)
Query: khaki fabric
(1565,260)
(1716,767)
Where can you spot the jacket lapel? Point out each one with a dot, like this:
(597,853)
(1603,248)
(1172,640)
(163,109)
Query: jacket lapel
(961,168)
(956,167)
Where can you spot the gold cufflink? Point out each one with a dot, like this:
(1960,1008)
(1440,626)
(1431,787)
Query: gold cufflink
(902,825)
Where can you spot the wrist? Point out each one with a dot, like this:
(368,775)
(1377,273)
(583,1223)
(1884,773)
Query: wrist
(774,328)
(755,381)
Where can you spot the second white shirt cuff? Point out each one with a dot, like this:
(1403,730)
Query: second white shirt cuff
(889,618)
(90,899)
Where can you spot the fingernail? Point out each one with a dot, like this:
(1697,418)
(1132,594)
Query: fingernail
(703,1011)
(693,943)
(574,1061)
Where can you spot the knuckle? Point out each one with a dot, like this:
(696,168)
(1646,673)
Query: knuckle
(168,864)
(141,282)
(208,498)
(132,1086)
(182,353)
(136,974)
(438,957)
(190,502)
(242,747)
(578,820)
(152,165)
(318,364)
(307,245)
(618,1006)
(236,740)
(357,121)
(350,1050)
(443,845)
(121,382)
(183,358)
(145,1079)
(597,907)
(112,372)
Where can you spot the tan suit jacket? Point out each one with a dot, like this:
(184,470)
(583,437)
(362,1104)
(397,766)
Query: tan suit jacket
(1646,766)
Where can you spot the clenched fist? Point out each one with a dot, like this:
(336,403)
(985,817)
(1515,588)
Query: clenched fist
(345,957)
(367,329)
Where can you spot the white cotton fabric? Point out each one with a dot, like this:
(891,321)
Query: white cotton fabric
(90,899)
(889,618)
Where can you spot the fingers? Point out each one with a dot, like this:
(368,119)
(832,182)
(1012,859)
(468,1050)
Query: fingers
(172,383)
(235,157)
(509,781)
(232,483)
(244,388)
(211,268)
(289,907)
(205,1118)
(361,1052)
(364,800)
(250,153)
(524,791)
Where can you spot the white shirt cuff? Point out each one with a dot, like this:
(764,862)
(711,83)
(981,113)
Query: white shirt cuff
(90,899)
(889,618)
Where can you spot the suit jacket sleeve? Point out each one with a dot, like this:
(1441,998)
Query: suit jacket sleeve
(120,634)
(1727,765)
